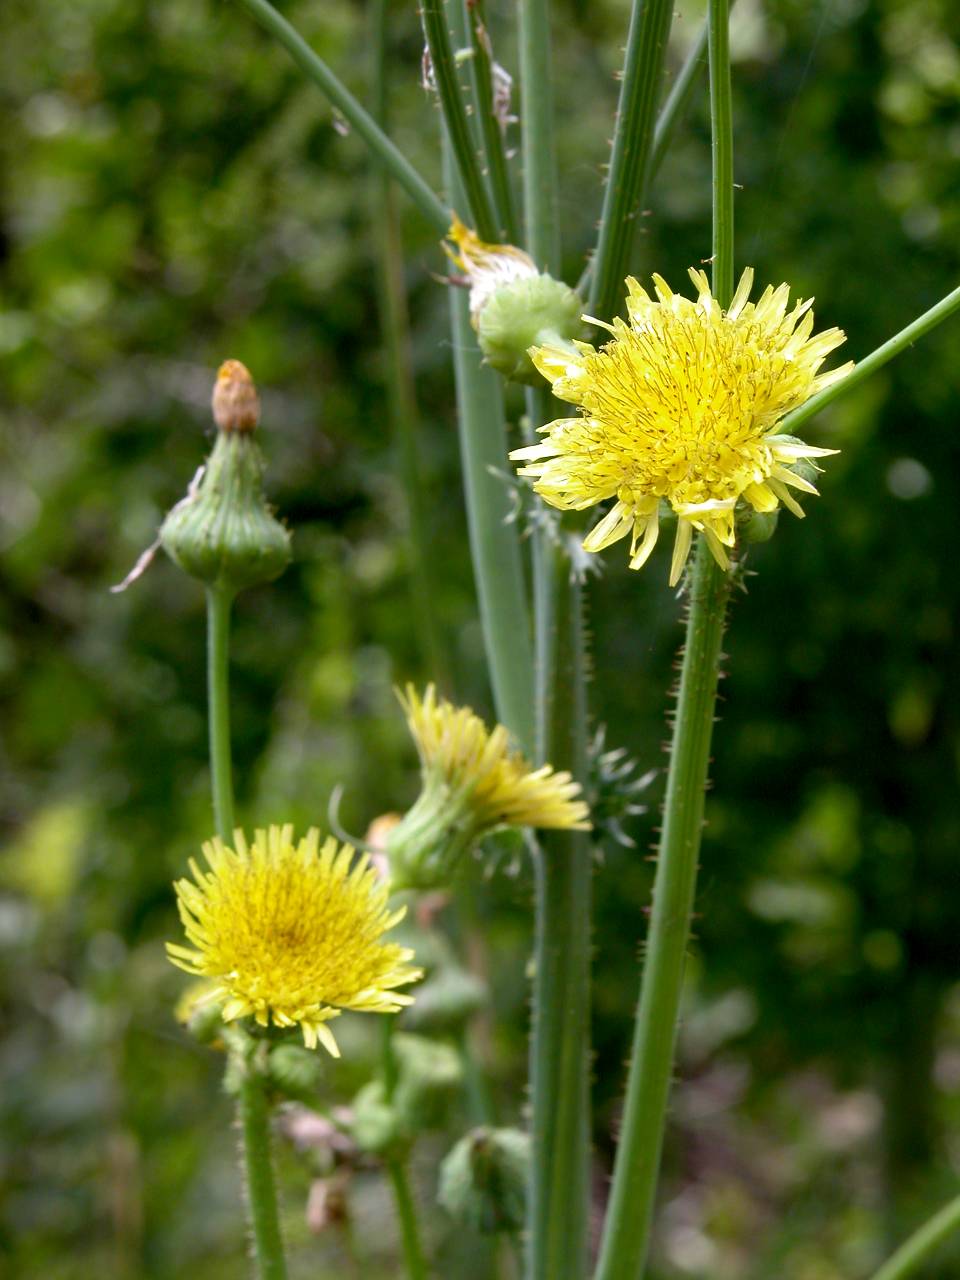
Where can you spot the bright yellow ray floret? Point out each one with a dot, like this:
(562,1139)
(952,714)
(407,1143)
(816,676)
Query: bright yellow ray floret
(503,790)
(682,404)
(291,932)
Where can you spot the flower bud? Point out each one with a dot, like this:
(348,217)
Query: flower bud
(295,1071)
(430,1074)
(375,1124)
(484,1178)
(533,312)
(201,1015)
(448,999)
(224,532)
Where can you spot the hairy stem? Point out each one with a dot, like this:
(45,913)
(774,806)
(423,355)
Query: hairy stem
(254,1117)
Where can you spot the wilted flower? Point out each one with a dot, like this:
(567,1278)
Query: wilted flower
(291,932)
(683,405)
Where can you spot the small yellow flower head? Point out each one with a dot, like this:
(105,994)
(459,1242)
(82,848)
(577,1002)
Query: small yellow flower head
(682,404)
(473,784)
(291,932)
(513,306)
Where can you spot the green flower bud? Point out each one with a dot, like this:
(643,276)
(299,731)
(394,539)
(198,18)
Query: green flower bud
(295,1071)
(446,1000)
(531,312)
(223,532)
(430,1075)
(376,1127)
(483,1180)
(759,526)
(202,1017)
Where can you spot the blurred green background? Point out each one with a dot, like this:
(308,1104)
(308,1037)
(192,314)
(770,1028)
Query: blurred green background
(171,194)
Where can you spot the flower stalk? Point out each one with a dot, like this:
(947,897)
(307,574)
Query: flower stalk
(636,1174)
(219,604)
(915,1251)
(253,1114)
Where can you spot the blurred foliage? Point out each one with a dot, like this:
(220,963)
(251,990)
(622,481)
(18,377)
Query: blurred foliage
(171,194)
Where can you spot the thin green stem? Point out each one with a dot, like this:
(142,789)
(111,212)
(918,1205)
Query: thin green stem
(401,393)
(559,1188)
(254,1117)
(494,543)
(674,109)
(383,150)
(876,360)
(416,1263)
(627,1229)
(494,151)
(632,150)
(721,118)
(413,1255)
(454,111)
(539,154)
(922,1243)
(219,601)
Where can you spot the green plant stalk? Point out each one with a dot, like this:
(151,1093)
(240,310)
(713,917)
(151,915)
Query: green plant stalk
(494,151)
(456,121)
(869,365)
(636,1173)
(383,150)
(922,1243)
(219,603)
(631,152)
(559,1188)
(253,1112)
(671,113)
(541,224)
(401,394)
(413,1255)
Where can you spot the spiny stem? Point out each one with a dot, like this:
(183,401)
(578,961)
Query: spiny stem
(494,151)
(539,154)
(382,149)
(922,1243)
(219,602)
(254,1116)
(627,1230)
(454,112)
(632,150)
(636,1173)
(874,361)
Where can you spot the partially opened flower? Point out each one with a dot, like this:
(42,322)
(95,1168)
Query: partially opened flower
(291,933)
(473,784)
(682,405)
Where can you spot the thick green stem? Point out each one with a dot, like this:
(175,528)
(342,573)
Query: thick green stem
(254,1117)
(627,1231)
(383,150)
(636,1174)
(876,360)
(219,601)
(494,151)
(456,121)
(539,154)
(632,150)
(922,1243)
(401,394)
(559,1191)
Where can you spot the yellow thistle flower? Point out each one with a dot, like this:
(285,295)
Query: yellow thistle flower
(291,932)
(683,405)
(473,784)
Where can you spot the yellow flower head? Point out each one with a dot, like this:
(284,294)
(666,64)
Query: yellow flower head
(682,404)
(473,784)
(487,266)
(291,932)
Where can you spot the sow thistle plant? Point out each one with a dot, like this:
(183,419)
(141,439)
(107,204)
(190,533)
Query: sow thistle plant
(688,412)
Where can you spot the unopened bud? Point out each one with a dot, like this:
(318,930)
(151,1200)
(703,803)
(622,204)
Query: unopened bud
(201,1015)
(375,1124)
(430,1076)
(295,1071)
(224,532)
(532,312)
(484,1178)
(446,1000)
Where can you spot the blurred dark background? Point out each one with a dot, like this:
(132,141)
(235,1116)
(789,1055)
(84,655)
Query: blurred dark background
(171,194)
